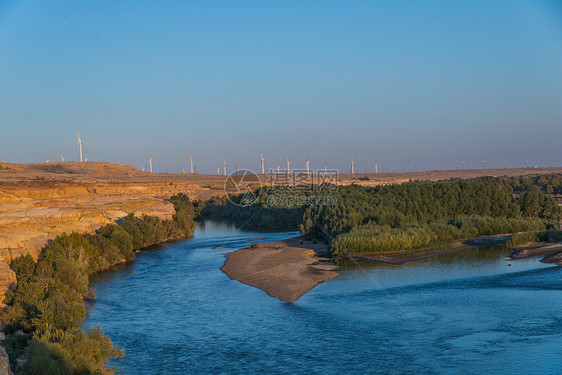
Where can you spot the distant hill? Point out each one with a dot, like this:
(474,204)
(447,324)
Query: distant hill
(71,167)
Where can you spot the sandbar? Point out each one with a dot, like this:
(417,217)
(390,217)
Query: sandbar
(283,269)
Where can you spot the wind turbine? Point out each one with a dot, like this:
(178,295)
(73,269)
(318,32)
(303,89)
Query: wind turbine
(190,163)
(85,156)
(288,165)
(352,166)
(218,171)
(526,162)
(262,165)
(462,165)
(150,161)
(183,170)
(61,157)
(277,167)
(504,163)
(46,158)
(224,165)
(376,168)
(79,144)
(307,166)
(547,161)
(325,168)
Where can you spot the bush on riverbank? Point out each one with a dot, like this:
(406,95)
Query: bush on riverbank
(47,304)
(372,238)
(264,213)
(533,237)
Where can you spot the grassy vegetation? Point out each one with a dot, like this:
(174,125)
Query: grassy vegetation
(533,237)
(372,238)
(46,310)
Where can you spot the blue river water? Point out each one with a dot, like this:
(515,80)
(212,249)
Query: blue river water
(471,312)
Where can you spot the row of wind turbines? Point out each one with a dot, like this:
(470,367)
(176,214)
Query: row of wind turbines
(223,166)
(352,169)
(193,169)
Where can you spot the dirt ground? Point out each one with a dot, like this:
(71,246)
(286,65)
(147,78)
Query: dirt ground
(283,269)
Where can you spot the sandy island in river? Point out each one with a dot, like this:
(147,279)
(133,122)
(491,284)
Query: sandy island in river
(287,269)
(284,269)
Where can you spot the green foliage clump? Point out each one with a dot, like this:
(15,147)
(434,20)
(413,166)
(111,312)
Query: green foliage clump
(265,212)
(415,204)
(532,237)
(372,238)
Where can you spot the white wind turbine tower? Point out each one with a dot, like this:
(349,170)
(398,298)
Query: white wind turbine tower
(218,171)
(224,165)
(85,156)
(79,144)
(352,166)
(504,163)
(262,163)
(307,166)
(376,168)
(150,161)
(325,168)
(61,157)
(526,163)
(190,163)
(288,165)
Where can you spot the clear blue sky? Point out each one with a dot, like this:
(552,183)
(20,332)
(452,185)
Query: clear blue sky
(482,81)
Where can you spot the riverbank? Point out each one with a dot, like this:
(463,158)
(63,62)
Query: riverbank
(552,253)
(399,258)
(284,269)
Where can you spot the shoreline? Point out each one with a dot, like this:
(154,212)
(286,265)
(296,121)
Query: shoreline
(551,252)
(284,269)
(400,258)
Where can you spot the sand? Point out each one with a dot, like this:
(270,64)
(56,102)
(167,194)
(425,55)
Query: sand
(552,253)
(283,269)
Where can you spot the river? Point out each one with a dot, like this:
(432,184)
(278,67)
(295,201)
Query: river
(472,312)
